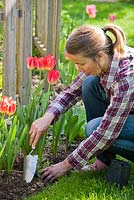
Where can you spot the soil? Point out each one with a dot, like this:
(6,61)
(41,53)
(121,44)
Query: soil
(13,187)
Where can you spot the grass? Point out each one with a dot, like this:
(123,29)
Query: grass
(86,186)
(123,11)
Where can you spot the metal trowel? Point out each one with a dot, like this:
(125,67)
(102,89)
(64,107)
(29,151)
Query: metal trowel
(29,167)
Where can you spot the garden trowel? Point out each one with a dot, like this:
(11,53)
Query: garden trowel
(29,168)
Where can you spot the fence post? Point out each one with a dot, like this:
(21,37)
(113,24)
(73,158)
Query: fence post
(9,49)
(54,11)
(24,49)
(17,47)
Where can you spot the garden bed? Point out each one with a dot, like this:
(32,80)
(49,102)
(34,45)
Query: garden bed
(13,187)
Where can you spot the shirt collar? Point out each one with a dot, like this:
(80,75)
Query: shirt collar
(109,76)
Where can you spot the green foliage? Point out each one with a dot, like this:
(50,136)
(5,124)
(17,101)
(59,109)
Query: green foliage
(68,72)
(57,132)
(1,77)
(73,127)
(29,113)
(11,139)
(70,126)
(123,11)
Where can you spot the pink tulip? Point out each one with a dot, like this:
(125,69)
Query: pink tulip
(91,10)
(112,17)
(53,76)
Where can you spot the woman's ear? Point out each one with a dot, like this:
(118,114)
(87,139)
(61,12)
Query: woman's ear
(100,56)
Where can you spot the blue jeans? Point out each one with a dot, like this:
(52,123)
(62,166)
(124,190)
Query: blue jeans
(96,102)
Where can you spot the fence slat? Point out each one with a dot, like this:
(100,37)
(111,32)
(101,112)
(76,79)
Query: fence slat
(24,44)
(9,62)
(48,26)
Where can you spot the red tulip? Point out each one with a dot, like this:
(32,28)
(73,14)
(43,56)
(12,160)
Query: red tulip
(53,76)
(7,105)
(11,108)
(3,107)
(40,63)
(91,10)
(30,63)
(112,17)
(49,62)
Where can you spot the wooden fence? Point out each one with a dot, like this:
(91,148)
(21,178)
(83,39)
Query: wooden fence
(47,26)
(18,37)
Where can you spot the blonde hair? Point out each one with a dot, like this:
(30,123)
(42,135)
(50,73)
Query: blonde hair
(88,40)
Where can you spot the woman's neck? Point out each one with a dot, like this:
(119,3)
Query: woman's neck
(105,63)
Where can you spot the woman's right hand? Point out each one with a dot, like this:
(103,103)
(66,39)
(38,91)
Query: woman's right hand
(39,127)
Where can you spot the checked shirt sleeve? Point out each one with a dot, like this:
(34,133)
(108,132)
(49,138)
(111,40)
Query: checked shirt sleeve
(67,97)
(122,101)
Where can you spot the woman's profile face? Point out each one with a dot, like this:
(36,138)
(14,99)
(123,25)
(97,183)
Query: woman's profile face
(84,64)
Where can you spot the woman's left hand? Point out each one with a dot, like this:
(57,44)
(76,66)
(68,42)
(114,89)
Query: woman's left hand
(51,173)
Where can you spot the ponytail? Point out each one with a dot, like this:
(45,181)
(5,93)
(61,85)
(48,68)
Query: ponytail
(120,38)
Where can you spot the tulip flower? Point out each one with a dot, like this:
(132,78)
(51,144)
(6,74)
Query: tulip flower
(91,10)
(112,17)
(7,105)
(3,107)
(49,62)
(53,76)
(11,108)
(31,63)
(40,63)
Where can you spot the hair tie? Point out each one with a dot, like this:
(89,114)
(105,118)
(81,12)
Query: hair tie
(104,30)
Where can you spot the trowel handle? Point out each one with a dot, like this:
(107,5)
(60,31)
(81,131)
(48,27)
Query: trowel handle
(33,148)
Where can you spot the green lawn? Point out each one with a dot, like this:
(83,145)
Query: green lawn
(86,186)
(123,11)
(91,186)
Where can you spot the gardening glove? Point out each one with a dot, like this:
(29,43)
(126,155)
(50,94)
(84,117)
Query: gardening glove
(39,127)
(51,173)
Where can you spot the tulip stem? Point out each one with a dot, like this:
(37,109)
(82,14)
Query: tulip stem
(40,75)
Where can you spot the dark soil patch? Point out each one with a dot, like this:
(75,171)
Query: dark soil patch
(13,187)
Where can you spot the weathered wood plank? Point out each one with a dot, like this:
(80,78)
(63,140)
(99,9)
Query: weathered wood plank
(1,16)
(24,44)
(48,26)
(56,29)
(9,51)
(44,22)
(54,10)
(40,46)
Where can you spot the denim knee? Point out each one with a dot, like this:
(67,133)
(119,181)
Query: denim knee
(92,125)
(89,84)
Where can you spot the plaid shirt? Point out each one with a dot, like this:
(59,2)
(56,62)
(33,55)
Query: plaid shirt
(118,83)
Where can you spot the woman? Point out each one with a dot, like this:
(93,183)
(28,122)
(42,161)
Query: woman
(106,85)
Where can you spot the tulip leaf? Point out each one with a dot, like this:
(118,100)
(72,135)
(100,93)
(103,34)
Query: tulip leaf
(75,131)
